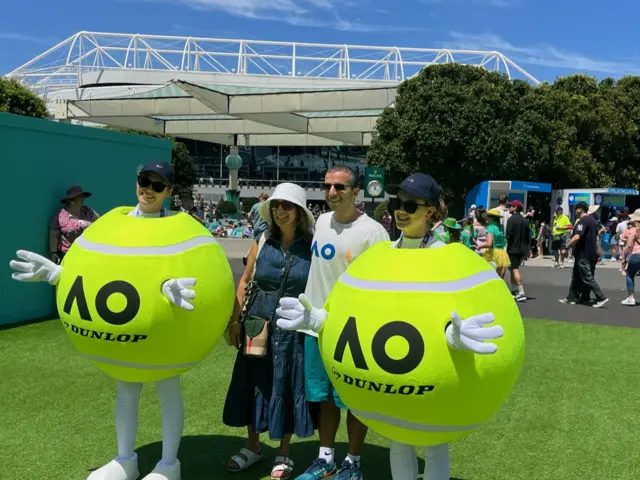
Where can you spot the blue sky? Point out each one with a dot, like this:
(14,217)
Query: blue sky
(547,37)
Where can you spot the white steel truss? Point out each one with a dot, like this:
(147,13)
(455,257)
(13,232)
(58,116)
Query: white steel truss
(61,66)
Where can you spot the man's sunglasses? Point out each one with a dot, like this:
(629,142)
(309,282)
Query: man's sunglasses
(410,206)
(146,182)
(340,187)
(286,205)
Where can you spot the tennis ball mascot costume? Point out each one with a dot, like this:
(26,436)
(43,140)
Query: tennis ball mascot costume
(404,335)
(126,296)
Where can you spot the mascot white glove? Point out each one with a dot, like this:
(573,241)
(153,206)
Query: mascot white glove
(178,292)
(470,334)
(35,268)
(299,314)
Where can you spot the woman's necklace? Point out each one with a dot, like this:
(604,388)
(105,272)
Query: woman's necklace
(423,244)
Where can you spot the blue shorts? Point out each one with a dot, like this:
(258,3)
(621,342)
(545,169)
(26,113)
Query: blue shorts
(318,387)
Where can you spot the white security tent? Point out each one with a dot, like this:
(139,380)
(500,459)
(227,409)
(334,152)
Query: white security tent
(233,115)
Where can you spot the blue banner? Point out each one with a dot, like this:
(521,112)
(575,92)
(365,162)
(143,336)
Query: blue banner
(579,197)
(531,187)
(622,191)
(608,200)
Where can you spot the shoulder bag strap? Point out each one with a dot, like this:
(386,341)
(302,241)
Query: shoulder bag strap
(261,242)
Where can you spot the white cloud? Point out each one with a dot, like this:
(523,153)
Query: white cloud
(19,37)
(542,54)
(301,13)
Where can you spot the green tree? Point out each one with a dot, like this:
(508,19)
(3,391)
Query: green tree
(453,122)
(464,125)
(15,98)
(185,174)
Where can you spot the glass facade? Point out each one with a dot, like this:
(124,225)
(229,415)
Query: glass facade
(267,166)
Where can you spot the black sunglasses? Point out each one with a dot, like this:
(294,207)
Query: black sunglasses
(409,206)
(286,205)
(340,187)
(146,182)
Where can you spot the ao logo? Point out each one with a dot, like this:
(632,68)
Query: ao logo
(327,251)
(571,197)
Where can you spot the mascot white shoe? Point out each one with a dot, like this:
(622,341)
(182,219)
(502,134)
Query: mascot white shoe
(117,469)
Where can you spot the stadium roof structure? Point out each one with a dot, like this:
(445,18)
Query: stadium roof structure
(234,92)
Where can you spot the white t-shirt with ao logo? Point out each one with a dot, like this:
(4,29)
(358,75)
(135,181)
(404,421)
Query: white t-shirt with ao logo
(335,245)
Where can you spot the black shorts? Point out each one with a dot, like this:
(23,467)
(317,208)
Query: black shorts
(516,260)
(558,243)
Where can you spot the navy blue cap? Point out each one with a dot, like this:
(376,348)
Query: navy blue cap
(161,168)
(419,185)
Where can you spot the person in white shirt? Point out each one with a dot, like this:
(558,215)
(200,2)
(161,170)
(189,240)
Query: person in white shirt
(153,187)
(417,207)
(340,237)
(505,209)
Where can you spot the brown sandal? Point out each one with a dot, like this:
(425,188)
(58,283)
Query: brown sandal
(282,469)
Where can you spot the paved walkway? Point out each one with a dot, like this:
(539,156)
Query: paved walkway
(545,285)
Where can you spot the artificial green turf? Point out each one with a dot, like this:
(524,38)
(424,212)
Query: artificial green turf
(574,414)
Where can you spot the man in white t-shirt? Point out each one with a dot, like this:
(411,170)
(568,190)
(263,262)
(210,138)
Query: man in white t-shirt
(340,237)
(505,210)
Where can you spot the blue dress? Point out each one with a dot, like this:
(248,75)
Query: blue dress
(268,393)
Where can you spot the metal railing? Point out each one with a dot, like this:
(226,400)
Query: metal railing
(60,66)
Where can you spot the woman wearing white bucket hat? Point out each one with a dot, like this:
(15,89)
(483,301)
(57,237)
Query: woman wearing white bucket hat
(266,393)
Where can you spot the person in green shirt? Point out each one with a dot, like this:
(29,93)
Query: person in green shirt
(451,231)
(495,242)
(466,235)
(561,227)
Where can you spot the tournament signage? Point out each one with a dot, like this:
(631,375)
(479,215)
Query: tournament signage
(375,175)
(575,198)
(608,200)
(623,191)
(350,339)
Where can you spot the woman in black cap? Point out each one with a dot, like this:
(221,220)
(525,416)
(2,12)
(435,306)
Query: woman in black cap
(417,206)
(69,222)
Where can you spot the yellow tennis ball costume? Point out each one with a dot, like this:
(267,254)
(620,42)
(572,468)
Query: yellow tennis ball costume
(110,298)
(385,349)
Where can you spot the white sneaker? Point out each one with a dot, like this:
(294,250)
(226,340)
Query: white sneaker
(562,265)
(601,303)
(165,472)
(629,301)
(117,469)
(556,265)
(521,297)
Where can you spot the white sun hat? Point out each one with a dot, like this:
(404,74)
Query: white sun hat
(291,193)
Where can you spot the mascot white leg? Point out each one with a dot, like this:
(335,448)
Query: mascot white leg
(436,462)
(404,463)
(170,397)
(125,465)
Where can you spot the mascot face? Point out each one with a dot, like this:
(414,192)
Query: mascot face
(385,349)
(110,299)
